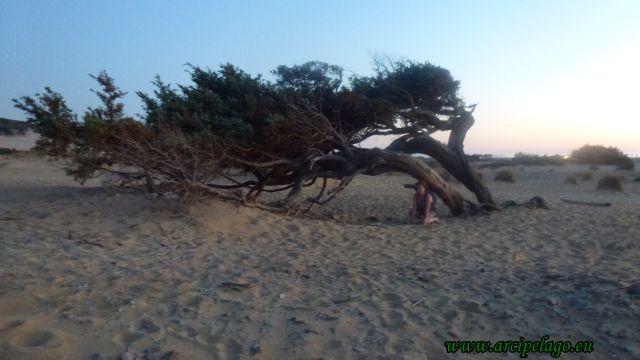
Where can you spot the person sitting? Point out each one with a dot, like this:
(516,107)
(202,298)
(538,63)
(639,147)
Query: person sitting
(422,210)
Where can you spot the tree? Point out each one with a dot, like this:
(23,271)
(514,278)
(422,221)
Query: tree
(283,135)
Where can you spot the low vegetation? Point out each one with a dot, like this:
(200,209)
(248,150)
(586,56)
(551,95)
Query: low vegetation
(505,175)
(531,159)
(587,176)
(571,179)
(520,159)
(7,151)
(13,127)
(601,155)
(610,182)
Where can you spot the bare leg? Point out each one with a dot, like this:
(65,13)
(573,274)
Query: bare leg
(433,219)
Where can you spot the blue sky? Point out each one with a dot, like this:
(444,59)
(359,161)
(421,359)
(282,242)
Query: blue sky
(549,76)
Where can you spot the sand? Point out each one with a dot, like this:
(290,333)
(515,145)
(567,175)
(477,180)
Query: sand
(19,142)
(99,272)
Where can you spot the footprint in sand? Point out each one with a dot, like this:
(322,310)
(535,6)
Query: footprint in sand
(13,324)
(148,326)
(393,319)
(130,337)
(389,296)
(469,306)
(34,338)
(229,349)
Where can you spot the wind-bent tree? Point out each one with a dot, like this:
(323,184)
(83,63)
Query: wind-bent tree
(283,135)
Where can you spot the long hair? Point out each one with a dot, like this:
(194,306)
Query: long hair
(415,186)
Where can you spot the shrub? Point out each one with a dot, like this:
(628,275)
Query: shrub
(531,159)
(626,165)
(637,179)
(13,127)
(601,155)
(594,168)
(571,179)
(586,176)
(494,164)
(504,175)
(610,182)
(7,151)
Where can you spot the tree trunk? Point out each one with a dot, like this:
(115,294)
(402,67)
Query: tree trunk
(451,156)
(417,169)
(375,162)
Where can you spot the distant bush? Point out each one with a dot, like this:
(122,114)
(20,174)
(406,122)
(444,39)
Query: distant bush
(571,179)
(494,164)
(522,159)
(479,157)
(610,182)
(505,175)
(531,159)
(601,155)
(586,176)
(13,127)
(7,151)
(594,168)
(637,179)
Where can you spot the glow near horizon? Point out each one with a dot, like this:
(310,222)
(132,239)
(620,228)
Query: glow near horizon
(549,76)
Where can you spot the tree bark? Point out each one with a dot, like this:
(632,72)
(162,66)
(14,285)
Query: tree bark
(375,162)
(451,156)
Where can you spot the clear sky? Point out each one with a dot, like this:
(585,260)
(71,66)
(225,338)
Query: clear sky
(549,76)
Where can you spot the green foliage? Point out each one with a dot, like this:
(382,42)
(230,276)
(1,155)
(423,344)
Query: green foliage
(62,135)
(307,99)
(601,155)
(227,118)
(50,116)
(316,83)
(229,102)
(407,84)
(112,109)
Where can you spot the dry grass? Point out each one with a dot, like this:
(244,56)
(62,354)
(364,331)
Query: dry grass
(505,175)
(610,182)
(571,179)
(586,176)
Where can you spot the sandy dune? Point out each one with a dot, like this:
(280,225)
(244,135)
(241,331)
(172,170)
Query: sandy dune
(100,272)
(19,142)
